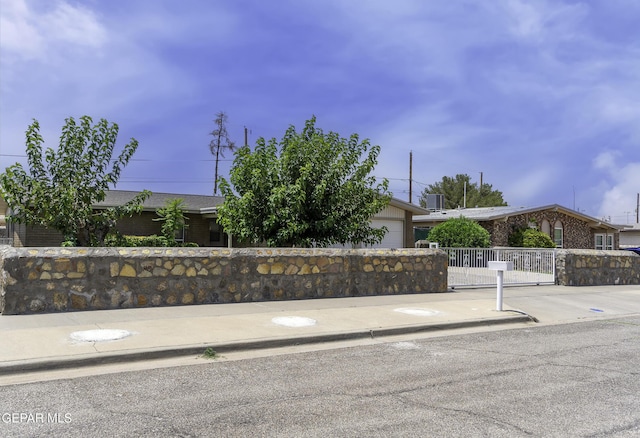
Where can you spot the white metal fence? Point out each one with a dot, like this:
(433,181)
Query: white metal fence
(468,266)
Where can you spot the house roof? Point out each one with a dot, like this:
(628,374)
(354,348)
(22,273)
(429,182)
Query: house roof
(634,228)
(193,203)
(415,209)
(494,213)
(204,204)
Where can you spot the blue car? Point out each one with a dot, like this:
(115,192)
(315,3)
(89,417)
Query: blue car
(636,250)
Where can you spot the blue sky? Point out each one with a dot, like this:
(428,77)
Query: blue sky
(541,96)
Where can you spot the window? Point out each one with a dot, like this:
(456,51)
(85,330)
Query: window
(546,227)
(604,241)
(215,232)
(558,234)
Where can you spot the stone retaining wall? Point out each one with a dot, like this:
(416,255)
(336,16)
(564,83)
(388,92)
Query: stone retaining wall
(587,267)
(38,280)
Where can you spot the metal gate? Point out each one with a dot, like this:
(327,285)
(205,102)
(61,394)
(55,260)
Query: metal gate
(468,266)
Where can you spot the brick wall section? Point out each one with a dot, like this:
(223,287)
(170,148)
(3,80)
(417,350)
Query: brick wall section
(38,280)
(138,225)
(198,230)
(43,236)
(145,225)
(589,267)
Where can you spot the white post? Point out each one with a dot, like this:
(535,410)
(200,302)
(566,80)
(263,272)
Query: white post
(500,267)
(500,277)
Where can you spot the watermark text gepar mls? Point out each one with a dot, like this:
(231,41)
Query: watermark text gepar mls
(35,418)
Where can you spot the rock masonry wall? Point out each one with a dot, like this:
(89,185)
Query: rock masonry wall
(40,280)
(588,267)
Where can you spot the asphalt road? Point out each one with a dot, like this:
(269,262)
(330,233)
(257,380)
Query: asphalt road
(580,379)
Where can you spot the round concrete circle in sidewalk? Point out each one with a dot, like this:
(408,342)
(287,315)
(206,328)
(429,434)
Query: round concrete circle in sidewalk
(100,335)
(294,321)
(417,311)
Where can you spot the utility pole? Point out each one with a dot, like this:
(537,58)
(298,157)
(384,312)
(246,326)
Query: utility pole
(246,136)
(410,175)
(464,202)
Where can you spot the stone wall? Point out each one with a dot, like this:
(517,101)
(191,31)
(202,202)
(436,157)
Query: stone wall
(587,267)
(35,280)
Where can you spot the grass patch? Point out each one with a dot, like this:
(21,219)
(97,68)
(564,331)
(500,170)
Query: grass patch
(210,353)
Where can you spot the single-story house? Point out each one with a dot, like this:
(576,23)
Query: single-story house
(202,226)
(630,236)
(567,228)
(199,228)
(398,218)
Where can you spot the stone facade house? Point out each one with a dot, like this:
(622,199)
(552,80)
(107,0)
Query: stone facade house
(568,228)
(202,226)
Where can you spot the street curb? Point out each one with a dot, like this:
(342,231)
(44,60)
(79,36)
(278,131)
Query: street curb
(29,366)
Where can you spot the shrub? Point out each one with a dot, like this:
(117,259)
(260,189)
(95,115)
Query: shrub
(135,241)
(530,238)
(142,241)
(460,233)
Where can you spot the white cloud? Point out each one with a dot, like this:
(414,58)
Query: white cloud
(75,25)
(61,59)
(543,21)
(606,161)
(526,19)
(622,184)
(18,31)
(28,33)
(530,184)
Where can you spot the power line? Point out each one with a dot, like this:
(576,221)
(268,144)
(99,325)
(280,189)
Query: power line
(177,161)
(153,160)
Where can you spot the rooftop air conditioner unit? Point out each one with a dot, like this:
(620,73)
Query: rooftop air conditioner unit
(435,202)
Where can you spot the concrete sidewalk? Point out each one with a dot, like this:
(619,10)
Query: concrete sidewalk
(50,341)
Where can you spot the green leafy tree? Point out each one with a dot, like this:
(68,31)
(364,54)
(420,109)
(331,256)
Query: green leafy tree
(454,193)
(310,188)
(173,219)
(460,232)
(530,238)
(220,142)
(60,190)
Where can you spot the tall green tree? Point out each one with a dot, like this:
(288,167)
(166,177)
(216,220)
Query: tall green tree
(219,143)
(61,188)
(311,188)
(454,193)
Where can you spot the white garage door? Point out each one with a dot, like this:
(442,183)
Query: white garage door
(395,234)
(394,238)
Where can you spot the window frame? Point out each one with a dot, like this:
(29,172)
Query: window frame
(558,239)
(606,241)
